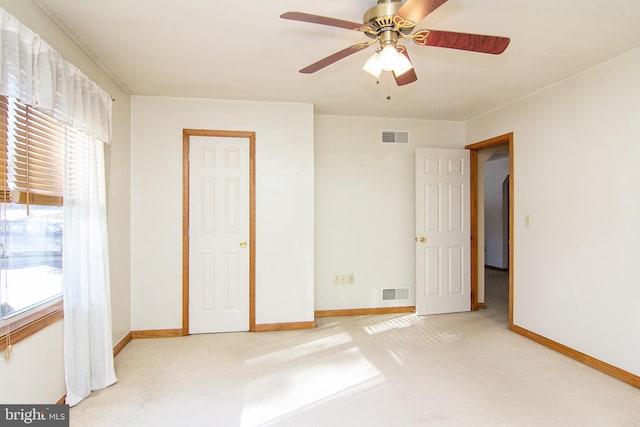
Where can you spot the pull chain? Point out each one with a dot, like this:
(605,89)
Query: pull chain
(388,88)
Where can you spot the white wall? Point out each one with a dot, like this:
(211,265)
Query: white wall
(576,173)
(495,172)
(35,373)
(284,204)
(365,214)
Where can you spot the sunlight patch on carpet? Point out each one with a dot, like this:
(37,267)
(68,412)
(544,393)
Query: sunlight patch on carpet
(306,383)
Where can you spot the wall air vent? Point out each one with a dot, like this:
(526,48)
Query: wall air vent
(395,294)
(395,137)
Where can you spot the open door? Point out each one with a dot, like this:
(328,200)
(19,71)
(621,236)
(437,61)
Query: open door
(442,179)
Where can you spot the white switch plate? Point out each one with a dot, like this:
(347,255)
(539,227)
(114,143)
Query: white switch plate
(527,220)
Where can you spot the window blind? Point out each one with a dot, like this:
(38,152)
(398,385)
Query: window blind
(31,155)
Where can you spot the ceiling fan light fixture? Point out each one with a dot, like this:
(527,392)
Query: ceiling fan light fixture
(372,66)
(389,22)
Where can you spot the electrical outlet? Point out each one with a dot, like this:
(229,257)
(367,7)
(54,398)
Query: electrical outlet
(336,279)
(344,279)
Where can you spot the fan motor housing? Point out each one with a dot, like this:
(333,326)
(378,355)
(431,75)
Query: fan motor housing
(380,17)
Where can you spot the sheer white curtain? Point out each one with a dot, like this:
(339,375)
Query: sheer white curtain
(36,74)
(87,303)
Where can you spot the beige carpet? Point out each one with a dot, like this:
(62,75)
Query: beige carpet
(462,369)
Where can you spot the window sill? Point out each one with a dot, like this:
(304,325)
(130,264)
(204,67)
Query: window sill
(32,323)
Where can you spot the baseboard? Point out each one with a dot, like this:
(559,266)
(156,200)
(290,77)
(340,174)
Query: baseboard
(122,344)
(157,333)
(601,366)
(365,311)
(481,305)
(491,267)
(269,327)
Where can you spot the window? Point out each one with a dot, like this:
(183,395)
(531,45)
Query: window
(31,216)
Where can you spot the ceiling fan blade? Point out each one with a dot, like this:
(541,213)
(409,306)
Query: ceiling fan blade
(416,10)
(324,20)
(408,77)
(463,41)
(334,58)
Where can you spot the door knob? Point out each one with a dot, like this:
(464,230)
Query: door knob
(243,244)
(421,239)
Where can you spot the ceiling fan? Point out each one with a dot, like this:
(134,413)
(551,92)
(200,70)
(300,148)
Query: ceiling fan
(390,21)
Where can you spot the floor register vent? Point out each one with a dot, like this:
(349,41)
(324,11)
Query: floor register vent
(395,294)
(395,137)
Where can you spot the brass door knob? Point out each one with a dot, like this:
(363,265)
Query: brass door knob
(243,244)
(421,239)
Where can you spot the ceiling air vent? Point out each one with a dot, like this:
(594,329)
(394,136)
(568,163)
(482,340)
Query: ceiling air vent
(395,137)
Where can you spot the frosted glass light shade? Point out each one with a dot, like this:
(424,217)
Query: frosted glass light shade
(372,66)
(402,65)
(388,57)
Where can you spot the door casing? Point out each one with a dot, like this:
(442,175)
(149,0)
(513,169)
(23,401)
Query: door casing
(475,268)
(251,136)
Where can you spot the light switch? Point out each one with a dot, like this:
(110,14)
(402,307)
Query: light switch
(527,220)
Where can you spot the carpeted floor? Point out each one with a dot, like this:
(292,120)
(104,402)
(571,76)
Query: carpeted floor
(463,369)
(496,294)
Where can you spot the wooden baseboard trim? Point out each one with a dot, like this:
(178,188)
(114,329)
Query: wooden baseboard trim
(491,267)
(269,327)
(481,305)
(601,366)
(122,344)
(157,333)
(365,311)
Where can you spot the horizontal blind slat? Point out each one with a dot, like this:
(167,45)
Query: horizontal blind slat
(31,154)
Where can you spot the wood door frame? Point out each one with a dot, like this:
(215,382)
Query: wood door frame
(251,136)
(487,143)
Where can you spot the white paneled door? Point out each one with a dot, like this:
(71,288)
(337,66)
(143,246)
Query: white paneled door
(442,231)
(218,234)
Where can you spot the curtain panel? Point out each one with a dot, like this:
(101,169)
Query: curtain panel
(36,74)
(87,301)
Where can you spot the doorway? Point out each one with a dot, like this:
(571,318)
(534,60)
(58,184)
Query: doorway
(218,263)
(493,201)
(480,152)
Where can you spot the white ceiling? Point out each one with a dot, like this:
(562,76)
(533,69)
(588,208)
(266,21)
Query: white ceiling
(242,50)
